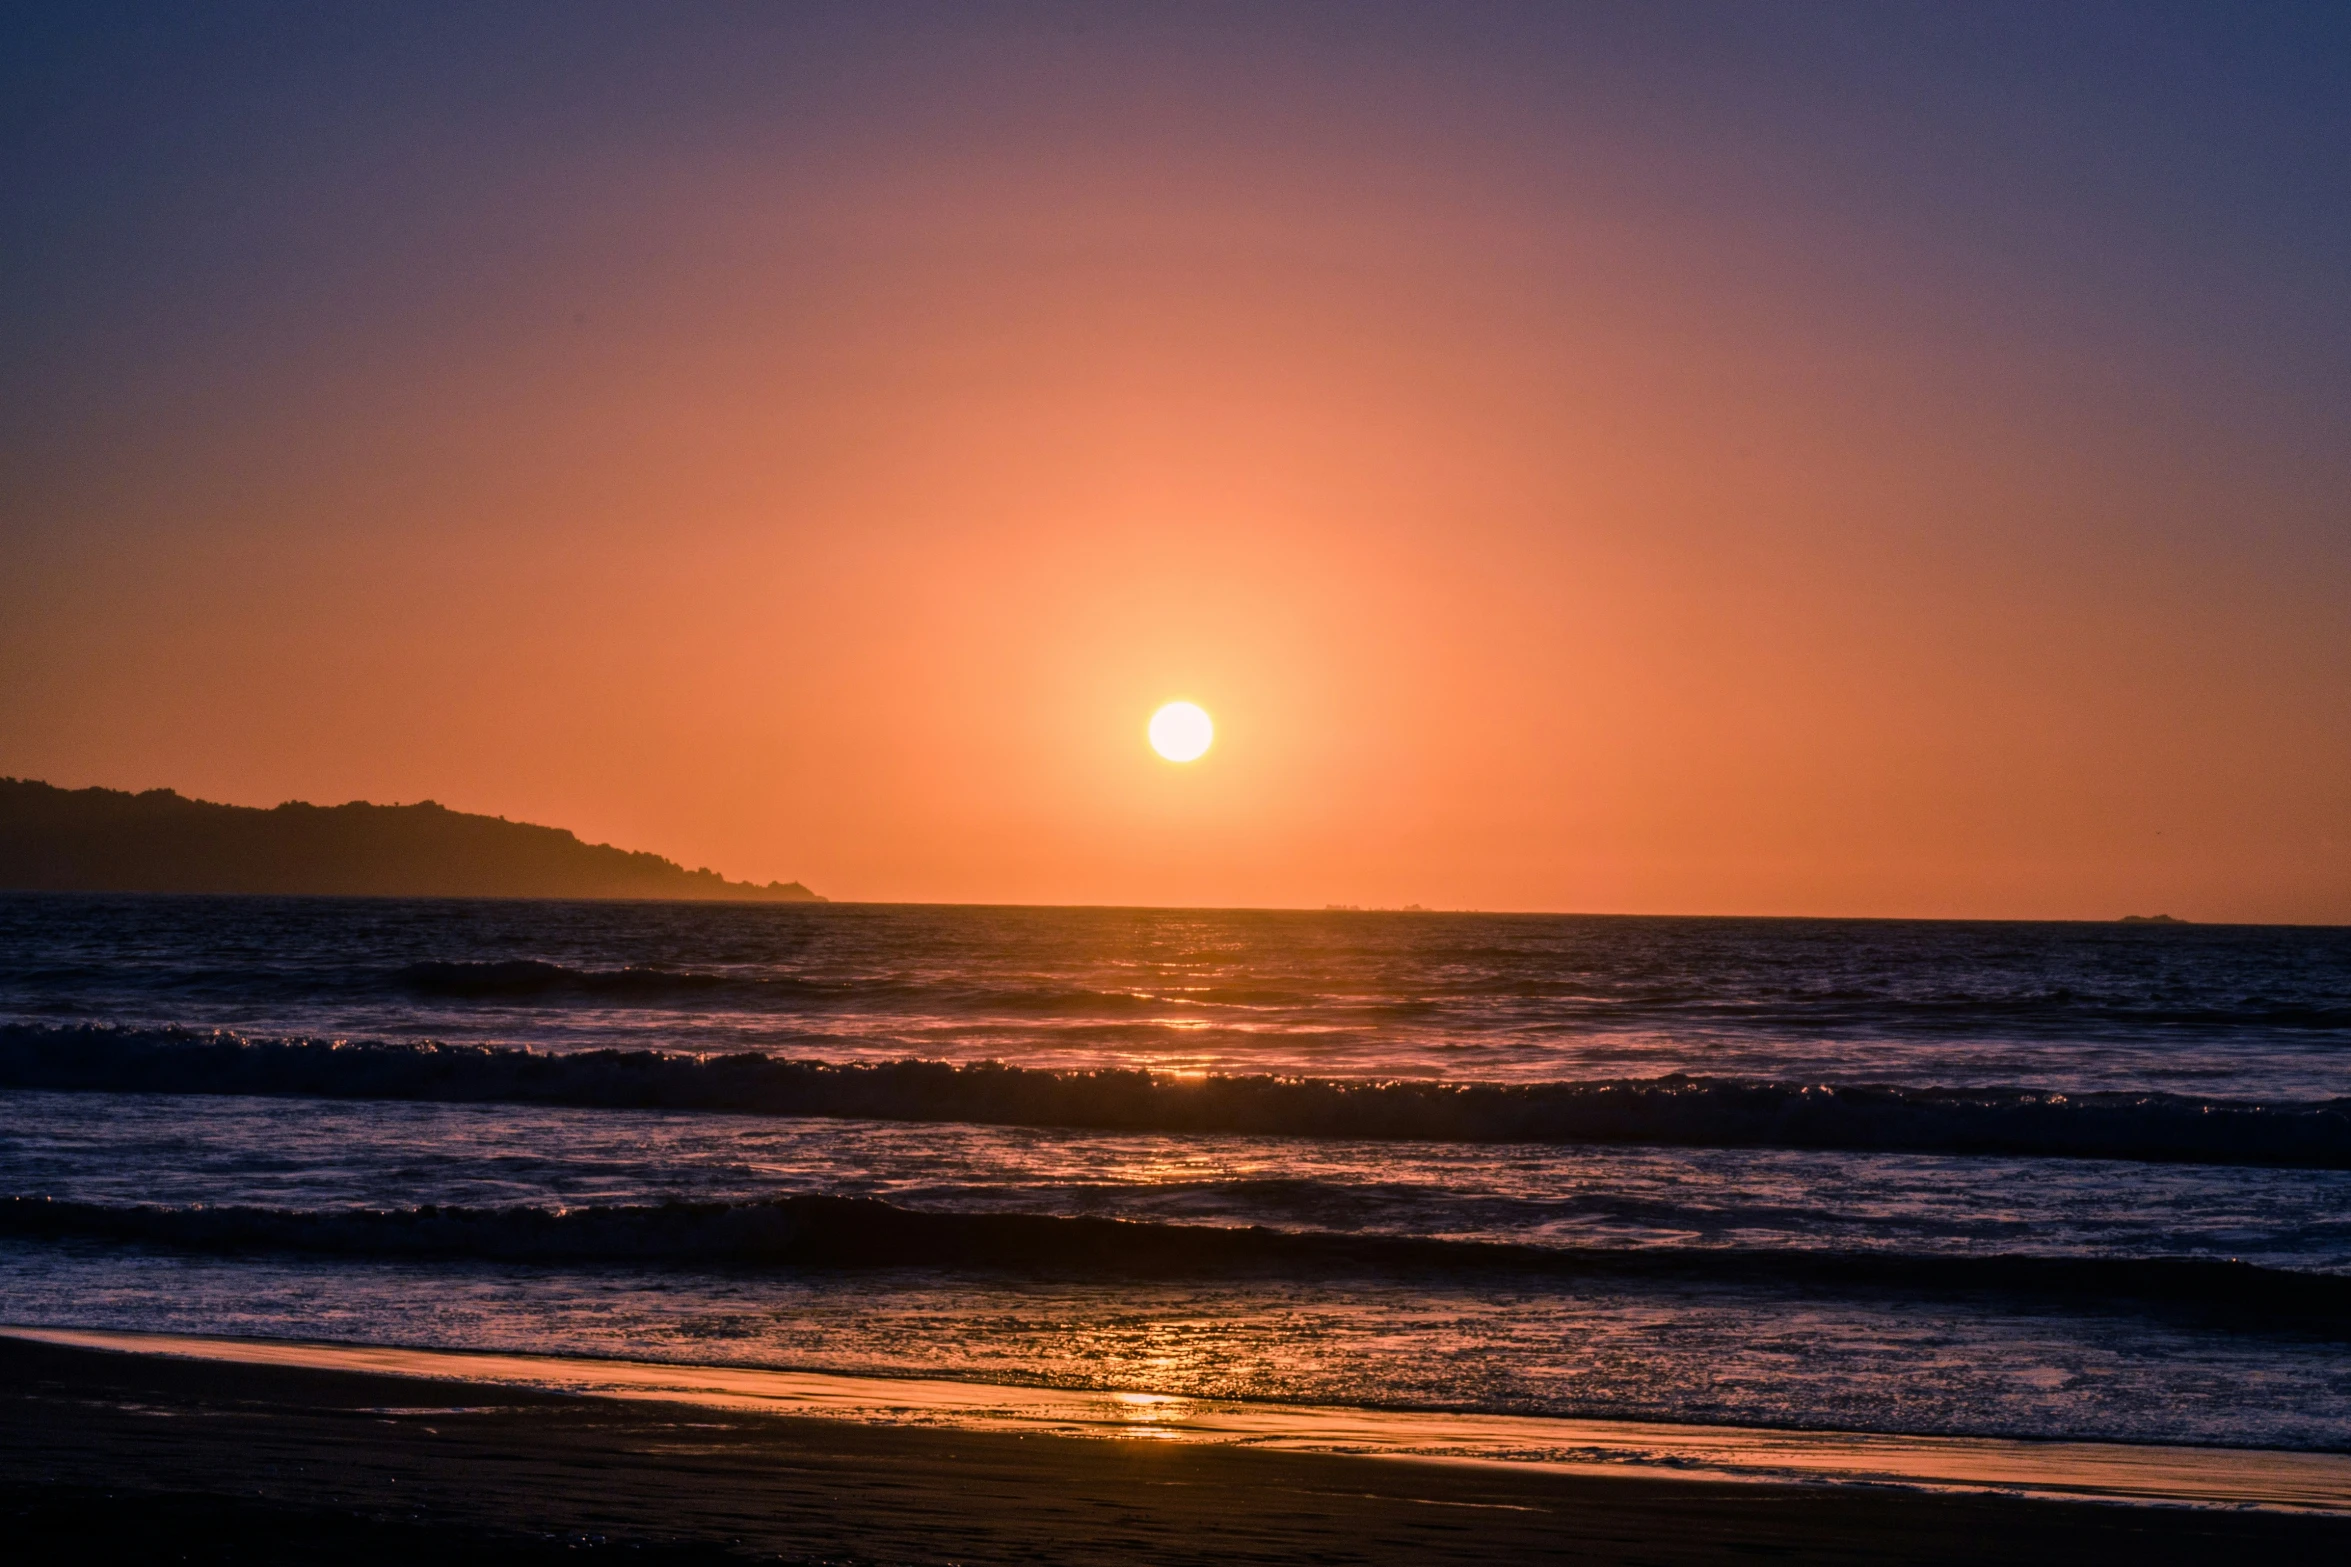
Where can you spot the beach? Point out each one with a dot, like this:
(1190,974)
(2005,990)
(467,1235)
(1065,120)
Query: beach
(111,1455)
(840,1233)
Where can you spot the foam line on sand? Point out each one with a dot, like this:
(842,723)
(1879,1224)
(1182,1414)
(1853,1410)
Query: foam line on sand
(2115,1472)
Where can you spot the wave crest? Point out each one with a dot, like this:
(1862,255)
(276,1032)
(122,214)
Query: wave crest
(1675,1110)
(829,1232)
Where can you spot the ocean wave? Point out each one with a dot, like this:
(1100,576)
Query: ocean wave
(533,979)
(830,1232)
(1675,1110)
(1502,1004)
(527,977)
(1505,1002)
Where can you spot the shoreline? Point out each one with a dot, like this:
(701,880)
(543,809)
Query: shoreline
(2279,1480)
(113,1454)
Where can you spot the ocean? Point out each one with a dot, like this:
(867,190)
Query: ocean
(1996,1179)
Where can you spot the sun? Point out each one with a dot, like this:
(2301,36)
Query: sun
(1181,731)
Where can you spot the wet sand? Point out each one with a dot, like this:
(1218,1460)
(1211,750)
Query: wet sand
(107,1455)
(2105,1471)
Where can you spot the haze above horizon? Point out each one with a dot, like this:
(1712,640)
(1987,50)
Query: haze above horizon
(1858,460)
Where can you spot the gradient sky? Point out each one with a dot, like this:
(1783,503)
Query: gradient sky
(1753,458)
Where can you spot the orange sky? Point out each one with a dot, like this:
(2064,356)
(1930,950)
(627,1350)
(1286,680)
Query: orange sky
(1537,543)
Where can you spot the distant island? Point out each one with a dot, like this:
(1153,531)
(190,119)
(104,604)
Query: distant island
(2151,919)
(108,840)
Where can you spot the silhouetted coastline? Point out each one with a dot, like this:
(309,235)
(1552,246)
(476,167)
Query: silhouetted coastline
(109,840)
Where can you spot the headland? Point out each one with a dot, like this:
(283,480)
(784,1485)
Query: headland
(107,840)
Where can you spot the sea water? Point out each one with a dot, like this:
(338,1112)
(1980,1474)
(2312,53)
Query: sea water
(1967,1178)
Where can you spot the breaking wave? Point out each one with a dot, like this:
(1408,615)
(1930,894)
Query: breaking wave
(818,1231)
(1676,1110)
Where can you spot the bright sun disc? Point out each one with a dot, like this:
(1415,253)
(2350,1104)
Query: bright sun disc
(1181,731)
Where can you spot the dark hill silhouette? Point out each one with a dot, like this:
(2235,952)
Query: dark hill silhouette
(106,840)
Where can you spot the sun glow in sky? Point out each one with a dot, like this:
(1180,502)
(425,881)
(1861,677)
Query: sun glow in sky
(1688,457)
(1182,732)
